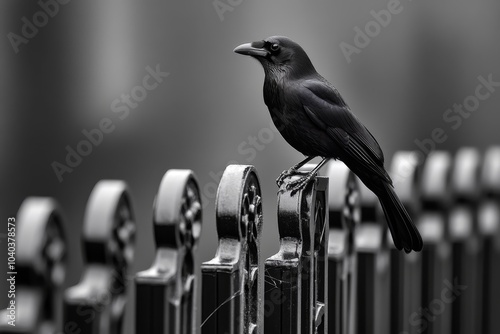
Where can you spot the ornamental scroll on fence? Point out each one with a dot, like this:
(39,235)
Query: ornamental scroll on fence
(336,269)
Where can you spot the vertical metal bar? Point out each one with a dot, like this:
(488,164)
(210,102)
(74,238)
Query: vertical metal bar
(274,300)
(466,243)
(436,255)
(321,262)
(373,267)
(39,269)
(165,293)
(233,290)
(97,303)
(344,216)
(297,275)
(489,231)
(406,269)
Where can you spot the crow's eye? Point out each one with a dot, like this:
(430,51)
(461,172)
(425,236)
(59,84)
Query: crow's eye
(275,47)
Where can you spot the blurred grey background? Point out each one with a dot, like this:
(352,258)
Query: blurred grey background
(202,116)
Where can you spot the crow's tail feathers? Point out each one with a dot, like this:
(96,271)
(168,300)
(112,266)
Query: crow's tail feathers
(403,231)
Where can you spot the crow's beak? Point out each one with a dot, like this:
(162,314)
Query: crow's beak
(255,49)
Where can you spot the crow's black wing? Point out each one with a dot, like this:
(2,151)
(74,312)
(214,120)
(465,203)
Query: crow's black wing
(326,108)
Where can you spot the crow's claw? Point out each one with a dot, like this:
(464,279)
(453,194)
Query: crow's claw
(299,184)
(286,174)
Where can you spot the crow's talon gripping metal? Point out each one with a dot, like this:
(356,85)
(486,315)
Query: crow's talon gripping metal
(286,174)
(299,184)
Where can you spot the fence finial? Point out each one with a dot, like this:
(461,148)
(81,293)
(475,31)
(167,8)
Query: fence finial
(166,292)
(233,279)
(297,276)
(96,305)
(38,268)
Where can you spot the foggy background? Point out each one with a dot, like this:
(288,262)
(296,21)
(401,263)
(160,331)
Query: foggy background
(64,80)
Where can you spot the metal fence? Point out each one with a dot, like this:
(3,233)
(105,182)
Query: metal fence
(336,270)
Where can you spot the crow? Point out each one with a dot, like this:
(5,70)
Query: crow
(313,118)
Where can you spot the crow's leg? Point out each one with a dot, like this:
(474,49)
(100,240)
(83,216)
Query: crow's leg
(292,171)
(300,183)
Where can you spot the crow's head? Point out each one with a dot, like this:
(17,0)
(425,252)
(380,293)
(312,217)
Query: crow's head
(279,54)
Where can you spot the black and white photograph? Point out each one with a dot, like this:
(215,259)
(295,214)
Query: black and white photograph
(250,167)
